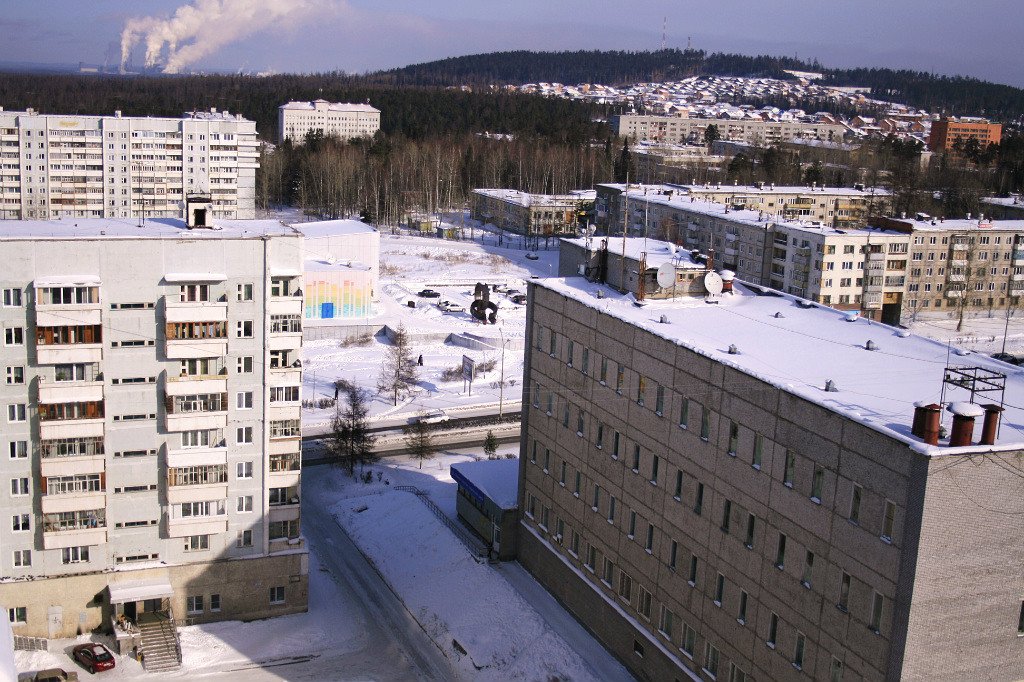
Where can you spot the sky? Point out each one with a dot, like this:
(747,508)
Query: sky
(980,38)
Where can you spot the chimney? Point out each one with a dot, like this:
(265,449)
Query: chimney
(920,415)
(991,425)
(727,277)
(930,423)
(963,423)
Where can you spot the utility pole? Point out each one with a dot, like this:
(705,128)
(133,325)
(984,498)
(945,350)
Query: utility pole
(501,383)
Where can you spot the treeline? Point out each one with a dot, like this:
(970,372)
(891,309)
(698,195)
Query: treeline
(413,112)
(385,179)
(956,95)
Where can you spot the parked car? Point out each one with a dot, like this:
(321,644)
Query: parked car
(1007,357)
(433,417)
(429,293)
(520,299)
(94,657)
(530,255)
(53,675)
(451,307)
(512,292)
(499,288)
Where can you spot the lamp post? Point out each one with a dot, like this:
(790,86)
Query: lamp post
(501,382)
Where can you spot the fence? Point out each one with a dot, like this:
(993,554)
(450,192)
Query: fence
(478,549)
(30,643)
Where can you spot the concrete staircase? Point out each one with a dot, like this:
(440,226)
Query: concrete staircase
(159,642)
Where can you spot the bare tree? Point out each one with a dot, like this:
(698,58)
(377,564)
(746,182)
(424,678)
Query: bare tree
(419,440)
(398,374)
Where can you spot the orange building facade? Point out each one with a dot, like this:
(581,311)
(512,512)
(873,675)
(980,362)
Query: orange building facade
(947,131)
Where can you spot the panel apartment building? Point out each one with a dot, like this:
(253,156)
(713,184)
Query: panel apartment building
(757,132)
(64,166)
(342,120)
(530,214)
(150,422)
(737,492)
(946,132)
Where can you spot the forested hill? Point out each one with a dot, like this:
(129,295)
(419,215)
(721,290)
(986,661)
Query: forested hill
(954,94)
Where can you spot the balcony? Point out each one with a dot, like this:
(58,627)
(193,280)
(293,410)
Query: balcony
(959,262)
(79,492)
(285,306)
(75,528)
(176,310)
(197,525)
(194,412)
(196,339)
(186,385)
(197,483)
(69,344)
(68,300)
(872,301)
(954,293)
(51,391)
(287,496)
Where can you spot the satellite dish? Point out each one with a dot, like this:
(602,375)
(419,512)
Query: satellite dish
(666,275)
(713,283)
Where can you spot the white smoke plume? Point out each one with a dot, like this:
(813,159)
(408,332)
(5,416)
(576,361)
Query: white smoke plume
(202,27)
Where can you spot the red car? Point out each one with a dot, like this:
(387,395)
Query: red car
(94,657)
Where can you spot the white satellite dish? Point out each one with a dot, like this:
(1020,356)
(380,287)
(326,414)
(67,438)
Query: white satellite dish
(713,283)
(666,275)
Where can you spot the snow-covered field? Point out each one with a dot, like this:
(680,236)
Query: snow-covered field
(408,265)
(454,597)
(981,334)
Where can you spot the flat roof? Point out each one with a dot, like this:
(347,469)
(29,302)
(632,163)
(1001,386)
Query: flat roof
(497,479)
(515,196)
(961,224)
(768,189)
(129,228)
(331,106)
(333,228)
(658,252)
(798,346)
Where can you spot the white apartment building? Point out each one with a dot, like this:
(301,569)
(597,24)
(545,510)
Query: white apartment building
(333,119)
(754,131)
(150,410)
(70,166)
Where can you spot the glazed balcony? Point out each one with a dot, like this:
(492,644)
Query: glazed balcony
(74,528)
(79,492)
(69,344)
(196,339)
(194,412)
(176,310)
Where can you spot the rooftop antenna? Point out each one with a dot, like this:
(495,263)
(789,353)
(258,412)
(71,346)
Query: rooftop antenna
(689,42)
(664,24)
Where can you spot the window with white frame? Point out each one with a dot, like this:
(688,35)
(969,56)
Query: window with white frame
(243,470)
(19,486)
(15,375)
(21,522)
(12,298)
(244,503)
(18,615)
(16,413)
(194,604)
(22,558)
(74,555)
(243,329)
(243,400)
(18,449)
(197,543)
(243,435)
(277,594)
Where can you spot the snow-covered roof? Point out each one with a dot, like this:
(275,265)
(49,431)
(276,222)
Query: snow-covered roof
(330,106)
(1015,201)
(174,277)
(333,228)
(320,265)
(799,346)
(67,280)
(658,252)
(514,196)
(960,225)
(129,228)
(498,479)
(139,590)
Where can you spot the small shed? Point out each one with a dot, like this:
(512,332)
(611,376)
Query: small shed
(487,500)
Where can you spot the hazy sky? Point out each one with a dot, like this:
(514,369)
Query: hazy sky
(981,38)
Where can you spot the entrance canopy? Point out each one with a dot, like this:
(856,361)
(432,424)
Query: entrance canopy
(139,590)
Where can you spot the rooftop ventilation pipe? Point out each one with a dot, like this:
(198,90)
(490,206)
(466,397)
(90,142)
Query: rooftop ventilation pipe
(964,415)
(990,428)
(930,426)
(733,350)
(830,387)
(871,345)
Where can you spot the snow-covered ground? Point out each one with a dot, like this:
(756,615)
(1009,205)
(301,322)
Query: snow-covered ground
(509,627)
(408,265)
(981,334)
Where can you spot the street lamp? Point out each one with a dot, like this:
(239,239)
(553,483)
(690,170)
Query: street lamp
(501,382)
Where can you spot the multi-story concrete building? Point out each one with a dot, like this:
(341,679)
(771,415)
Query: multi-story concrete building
(736,491)
(683,130)
(530,214)
(57,166)
(151,422)
(946,131)
(632,264)
(342,120)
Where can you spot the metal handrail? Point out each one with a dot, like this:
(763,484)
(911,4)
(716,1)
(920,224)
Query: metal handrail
(473,544)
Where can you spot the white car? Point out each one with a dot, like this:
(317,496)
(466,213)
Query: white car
(434,417)
(450,307)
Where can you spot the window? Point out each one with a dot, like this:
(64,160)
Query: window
(711,660)
(659,401)
(734,437)
(748,539)
(14,336)
(780,552)
(835,671)
(585,364)
(636,459)
(574,544)
(19,486)
(888,521)
(736,674)
(643,602)
(570,352)
(805,579)
(726,513)
(74,555)
(705,423)
(678,493)
(844,593)
(692,579)
(620,378)
(277,594)
(18,449)
(667,622)
(244,292)
(15,375)
(816,484)
(684,413)
(12,298)
(603,374)
(244,538)
(194,292)
(18,615)
(689,640)
(16,413)
(215,602)
(22,558)
(243,470)
(719,589)
(611,509)
(243,329)
(789,471)
(876,612)
(243,435)
(641,389)
(593,555)
(855,501)
(552,343)
(21,522)
(655,464)
(755,459)
(245,364)
(773,630)
(741,613)
(597,496)
(625,586)
(798,651)
(243,400)
(576,483)
(649,543)
(616,444)
(244,504)
(284,394)
(698,502)
(672,553)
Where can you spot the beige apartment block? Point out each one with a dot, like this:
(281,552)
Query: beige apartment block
(530,214)
(342,120)
(151,440)
(72,166)
(683,130)
(735,491)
